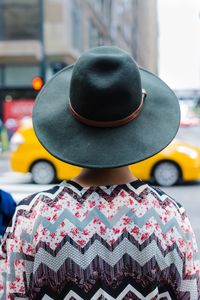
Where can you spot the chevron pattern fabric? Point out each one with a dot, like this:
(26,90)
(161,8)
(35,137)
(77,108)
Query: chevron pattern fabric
(128,241)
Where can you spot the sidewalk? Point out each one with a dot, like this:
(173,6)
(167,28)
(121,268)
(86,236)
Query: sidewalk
(5,155)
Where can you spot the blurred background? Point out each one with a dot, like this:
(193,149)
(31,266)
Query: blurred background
(40,37)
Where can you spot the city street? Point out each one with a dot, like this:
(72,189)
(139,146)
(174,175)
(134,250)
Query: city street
(98,84)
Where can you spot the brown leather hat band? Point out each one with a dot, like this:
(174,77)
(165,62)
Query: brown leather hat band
(108,123)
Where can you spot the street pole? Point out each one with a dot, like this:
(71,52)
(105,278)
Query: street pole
(42,43)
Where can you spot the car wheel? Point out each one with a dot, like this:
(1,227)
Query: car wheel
(166,173)
(43,172)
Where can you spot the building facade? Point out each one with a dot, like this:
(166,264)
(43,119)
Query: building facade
(145,34)
(40,37)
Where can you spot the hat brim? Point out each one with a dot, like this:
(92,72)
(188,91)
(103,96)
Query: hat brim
(75,143)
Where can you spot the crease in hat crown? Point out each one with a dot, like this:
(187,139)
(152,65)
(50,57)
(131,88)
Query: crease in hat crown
(100,94)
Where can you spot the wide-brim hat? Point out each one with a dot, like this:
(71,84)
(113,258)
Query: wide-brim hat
(104,111)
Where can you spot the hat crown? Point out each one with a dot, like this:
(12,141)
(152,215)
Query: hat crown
(105,85)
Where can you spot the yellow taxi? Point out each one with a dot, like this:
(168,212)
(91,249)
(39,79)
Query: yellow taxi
(177,162)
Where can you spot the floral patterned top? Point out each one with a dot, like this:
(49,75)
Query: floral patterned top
(128,241)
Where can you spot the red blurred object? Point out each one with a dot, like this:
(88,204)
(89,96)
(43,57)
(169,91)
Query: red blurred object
(190,122)
(14,111)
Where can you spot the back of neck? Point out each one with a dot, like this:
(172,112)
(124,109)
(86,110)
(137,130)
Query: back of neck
(97,177)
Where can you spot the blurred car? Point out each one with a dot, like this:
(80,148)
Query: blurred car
(190,121)
(189,113)
(179,161)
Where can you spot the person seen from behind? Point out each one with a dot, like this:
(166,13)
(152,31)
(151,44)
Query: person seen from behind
(104,234)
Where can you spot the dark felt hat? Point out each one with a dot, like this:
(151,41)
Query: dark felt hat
(104,111)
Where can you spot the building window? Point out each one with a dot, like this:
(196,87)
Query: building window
(97,5)
(19,19)
(103,9)
(95,37)
(76,25)
(18,75)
